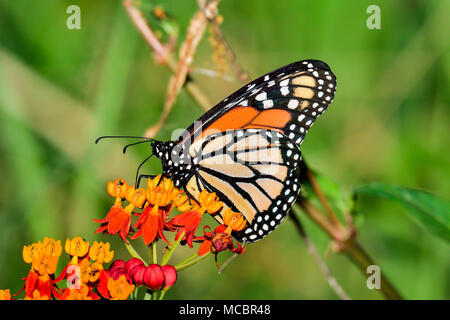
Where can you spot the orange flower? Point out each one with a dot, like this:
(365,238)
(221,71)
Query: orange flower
(152,221)
(101,252)
(209,202)
(5,295)
(37,283)
(119,289)
(234,220)
(188,222)
(76,248)
(43,256)
(36,295)
(90,272)
(118,218)
(181,202)
(117,189)
(82,293)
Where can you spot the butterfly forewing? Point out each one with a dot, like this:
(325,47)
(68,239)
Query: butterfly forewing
(246,148)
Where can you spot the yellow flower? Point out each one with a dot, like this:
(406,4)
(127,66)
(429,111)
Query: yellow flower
(101,252)
(234,221)
(27,253)
(5,295)
(52,248)
(76,247)
(119,289)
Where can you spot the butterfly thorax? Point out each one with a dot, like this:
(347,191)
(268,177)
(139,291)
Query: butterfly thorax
(176,164)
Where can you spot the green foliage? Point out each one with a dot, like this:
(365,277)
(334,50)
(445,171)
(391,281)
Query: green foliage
(429,210)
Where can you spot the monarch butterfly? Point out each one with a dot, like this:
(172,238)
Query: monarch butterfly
(246,148)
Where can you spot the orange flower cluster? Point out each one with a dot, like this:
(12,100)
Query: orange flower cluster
(43,257)
(156,203)
(85,275)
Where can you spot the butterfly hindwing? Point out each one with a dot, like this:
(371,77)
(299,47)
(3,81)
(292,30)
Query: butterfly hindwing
(253,171)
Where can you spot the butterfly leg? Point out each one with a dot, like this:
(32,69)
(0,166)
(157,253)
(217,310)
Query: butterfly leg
(145,176)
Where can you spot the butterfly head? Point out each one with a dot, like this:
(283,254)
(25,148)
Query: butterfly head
(173,166)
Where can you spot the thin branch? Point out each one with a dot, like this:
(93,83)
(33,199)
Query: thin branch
(149,36)
(212,16)
(320,219)
(316,256)
(194,34)
(344,241)
(321,196)
(163,55)
(360,257)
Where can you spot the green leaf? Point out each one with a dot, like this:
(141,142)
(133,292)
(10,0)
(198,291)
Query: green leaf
(429,210)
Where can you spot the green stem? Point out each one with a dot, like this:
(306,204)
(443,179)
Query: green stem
(360,257)
(190,261)
(134,253)
(195,255)
(134,294)
(169,252)
(163,292)
(155,256)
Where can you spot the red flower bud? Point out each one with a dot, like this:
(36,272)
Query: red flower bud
(170,275)
(154,277)
(117,264)
(133,263)
(117,272)
(137,274)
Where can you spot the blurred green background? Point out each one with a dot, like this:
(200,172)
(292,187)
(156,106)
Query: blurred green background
(60,88)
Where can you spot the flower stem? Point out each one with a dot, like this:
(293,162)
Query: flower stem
(169,252)
(190,261)
(195,255)
(153,254)
(134,253)
(163,292)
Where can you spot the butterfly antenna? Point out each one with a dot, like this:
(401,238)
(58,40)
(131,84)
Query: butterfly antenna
(133,144)
(122,137)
